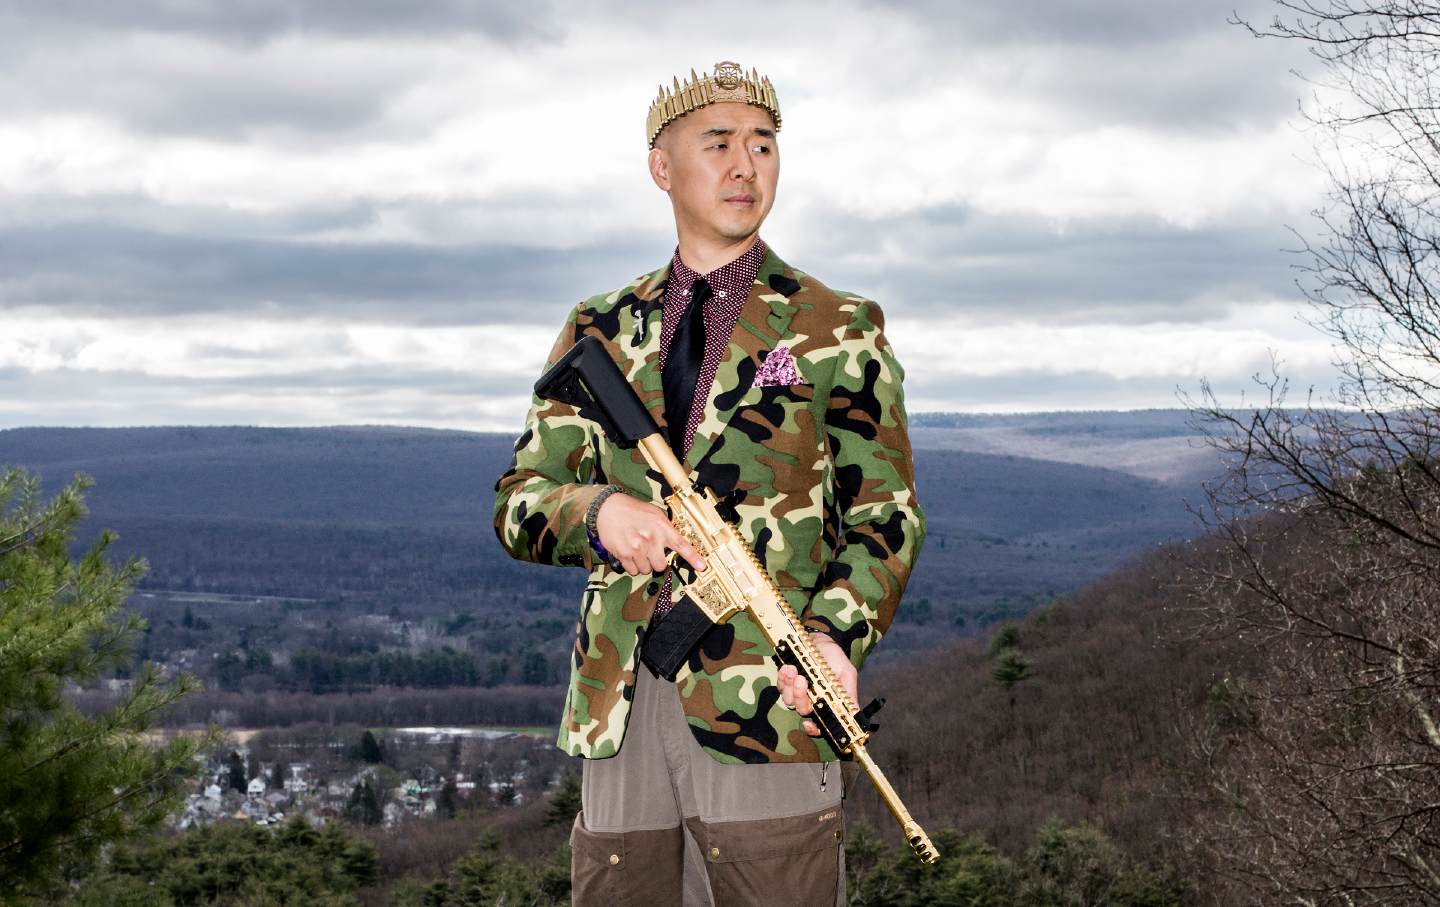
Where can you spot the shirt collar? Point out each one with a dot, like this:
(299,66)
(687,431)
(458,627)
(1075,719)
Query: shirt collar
(733,277)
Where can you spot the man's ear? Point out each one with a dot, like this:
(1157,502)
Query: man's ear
(659,169)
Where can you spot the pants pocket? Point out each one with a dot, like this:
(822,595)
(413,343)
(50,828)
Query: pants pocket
(796,860)
(619,869)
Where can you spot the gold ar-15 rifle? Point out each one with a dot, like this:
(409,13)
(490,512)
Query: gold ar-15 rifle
(733,579)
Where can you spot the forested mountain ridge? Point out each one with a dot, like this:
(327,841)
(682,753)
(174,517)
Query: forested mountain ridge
(323,559)
(1077,710)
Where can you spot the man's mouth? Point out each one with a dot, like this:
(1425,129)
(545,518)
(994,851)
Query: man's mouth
(741,199)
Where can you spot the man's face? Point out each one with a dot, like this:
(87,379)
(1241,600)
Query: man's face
(720,165)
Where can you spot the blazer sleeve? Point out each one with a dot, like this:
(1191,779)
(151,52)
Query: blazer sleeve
(880,524)
(541,500)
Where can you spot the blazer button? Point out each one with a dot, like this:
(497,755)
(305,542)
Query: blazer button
(653,588)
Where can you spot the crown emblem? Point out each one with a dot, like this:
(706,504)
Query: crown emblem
(728,75)
(728,82)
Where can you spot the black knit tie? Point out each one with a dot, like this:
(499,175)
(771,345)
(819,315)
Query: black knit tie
(682,365)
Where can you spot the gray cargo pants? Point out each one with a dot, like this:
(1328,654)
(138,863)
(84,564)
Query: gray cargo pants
(664,824)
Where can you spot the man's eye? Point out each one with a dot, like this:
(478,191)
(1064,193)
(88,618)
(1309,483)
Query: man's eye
(763,149)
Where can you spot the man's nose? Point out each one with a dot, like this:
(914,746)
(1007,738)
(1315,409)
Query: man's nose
(741,166)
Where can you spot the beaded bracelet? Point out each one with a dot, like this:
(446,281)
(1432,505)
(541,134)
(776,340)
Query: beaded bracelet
(591,532)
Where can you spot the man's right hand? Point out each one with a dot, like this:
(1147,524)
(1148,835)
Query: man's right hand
(638,535)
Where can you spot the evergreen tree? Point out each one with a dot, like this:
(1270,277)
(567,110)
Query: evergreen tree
(370,748)
(238,865)
(486,877)
(1007,637)
(534,670)
(565,802)
(364,806)
(1010,668)
(278,774)
(447,801)
(229,668)
(497,671)
(1068,866)
(236,771)
(1079,865)
(70,783)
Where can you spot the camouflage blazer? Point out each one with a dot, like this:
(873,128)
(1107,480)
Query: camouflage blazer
(818,476)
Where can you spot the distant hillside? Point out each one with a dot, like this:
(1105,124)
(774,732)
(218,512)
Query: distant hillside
(356,476)
(1158,444)
(369,541)
(1091,733)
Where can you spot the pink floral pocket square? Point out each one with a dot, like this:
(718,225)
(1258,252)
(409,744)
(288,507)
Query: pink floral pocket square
(778,370)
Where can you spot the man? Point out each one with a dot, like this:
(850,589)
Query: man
(782,396)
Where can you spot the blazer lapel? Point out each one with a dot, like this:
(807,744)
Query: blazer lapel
(764,320)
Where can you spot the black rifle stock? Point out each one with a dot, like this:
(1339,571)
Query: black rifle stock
(733,579)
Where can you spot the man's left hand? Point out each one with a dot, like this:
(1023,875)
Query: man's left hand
(795,690)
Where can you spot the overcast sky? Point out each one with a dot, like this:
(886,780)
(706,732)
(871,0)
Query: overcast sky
(288,213)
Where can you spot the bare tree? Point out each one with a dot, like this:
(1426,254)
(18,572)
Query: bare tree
(1318,768)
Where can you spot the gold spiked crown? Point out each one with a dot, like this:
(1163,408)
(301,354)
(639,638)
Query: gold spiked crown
(728,83)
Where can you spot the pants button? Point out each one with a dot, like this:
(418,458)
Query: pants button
(614,859)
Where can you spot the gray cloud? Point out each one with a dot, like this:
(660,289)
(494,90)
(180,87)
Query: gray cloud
(936,260)
(1217,83)
(197,90)
(1172,64)
(214,69)
(249,100)
(1129,269)
(287,74)
(253,21)
(137,211)
(115,270)
(1110,23)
